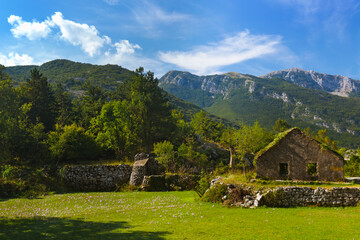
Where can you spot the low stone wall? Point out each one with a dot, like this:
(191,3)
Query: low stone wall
(95,178)
(307,196)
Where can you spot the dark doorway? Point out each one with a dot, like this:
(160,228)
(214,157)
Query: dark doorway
(284,169)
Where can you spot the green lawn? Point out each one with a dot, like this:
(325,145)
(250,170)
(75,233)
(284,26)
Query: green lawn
(167,215)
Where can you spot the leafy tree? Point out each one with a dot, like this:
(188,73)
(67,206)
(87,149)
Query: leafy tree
(72,143)
(190,157)
(281,125)
(165,154)
(206,127)
(38,92)
(325,140)
(90,104)
(228,140)
(9,110)
(150,105)
(3,76)
(64,103)
(183,131)
(115,128)
(251,139)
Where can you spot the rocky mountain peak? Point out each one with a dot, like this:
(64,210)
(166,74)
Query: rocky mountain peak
(334,84)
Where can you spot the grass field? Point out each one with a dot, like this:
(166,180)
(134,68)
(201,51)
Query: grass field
(166,215)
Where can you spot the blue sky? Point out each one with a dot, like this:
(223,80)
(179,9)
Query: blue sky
(202,36)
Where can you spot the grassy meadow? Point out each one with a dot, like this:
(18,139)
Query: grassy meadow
(166,215)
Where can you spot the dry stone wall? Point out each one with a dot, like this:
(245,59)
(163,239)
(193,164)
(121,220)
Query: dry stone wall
(307,196)
(95,178)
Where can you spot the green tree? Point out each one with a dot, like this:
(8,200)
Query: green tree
(38,92)
(206,127)
(251,139)
(150,105)
(64,103)
(20,139)
(228,140)
(3,76)
(165,154)
(115,128)
(183,131)
(281,125)
(190,157)
(325,140)
(72,143)
(9,111)
(89,105)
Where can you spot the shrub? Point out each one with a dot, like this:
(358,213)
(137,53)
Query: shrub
(203,184)
(72,143)
(7,171)
(165,154)
(272,198)
(27,182)
(194,158)
(215,193)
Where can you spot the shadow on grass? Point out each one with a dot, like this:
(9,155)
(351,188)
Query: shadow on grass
(64,228)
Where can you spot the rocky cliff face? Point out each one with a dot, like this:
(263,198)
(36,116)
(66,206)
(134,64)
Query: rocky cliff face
(334,84)
(247,98)
(216,84)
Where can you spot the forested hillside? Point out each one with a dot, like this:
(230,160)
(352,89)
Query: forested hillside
(73,74)
(246,98)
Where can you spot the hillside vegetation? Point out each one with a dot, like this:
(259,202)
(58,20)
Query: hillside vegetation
(246,98)
(73,74)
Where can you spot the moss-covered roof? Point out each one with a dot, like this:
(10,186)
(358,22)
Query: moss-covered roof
(282,135)
(276,141)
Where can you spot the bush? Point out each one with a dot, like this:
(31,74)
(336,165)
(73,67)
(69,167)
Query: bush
(215,193)
(26,182)
(72,143)
(236,195)
(271,199)
(203,184)
(165,154)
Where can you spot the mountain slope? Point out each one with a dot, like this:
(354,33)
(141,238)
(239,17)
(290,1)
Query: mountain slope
(73,75)
(335,84)
(247,98)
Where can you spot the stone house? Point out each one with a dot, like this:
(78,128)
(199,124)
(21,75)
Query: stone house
(145,165)
(296,156)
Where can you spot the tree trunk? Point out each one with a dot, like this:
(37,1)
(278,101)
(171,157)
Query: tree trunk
(232,161)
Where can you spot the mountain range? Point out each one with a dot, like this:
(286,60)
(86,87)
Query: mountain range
(302,98)
(334,84)
(295,95)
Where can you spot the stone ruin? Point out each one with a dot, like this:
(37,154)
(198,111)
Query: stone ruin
(296,156)
(290,196)
(145,165)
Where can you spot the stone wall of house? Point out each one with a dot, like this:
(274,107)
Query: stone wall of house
(145,165)
(296,151)
(95,178)
(307,196)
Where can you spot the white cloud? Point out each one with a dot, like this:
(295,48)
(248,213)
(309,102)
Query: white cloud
(124,47)
(125,54)
(148,13)
(80,34)
(83,35)
(13,59)
(112,2)
(32,30)
(151,17)
(231,50)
